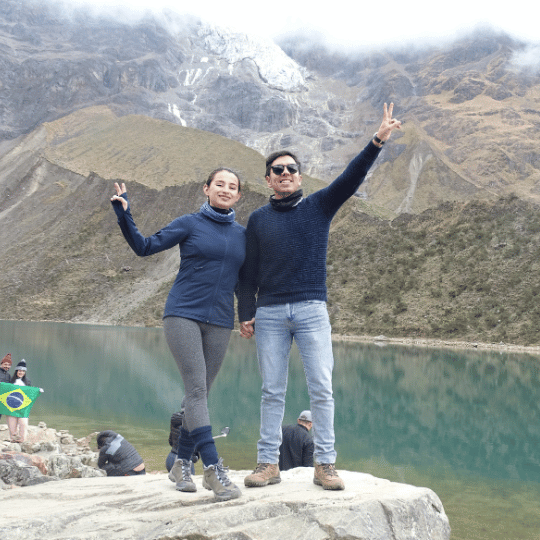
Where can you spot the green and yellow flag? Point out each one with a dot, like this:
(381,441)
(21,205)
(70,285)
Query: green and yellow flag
(17,400)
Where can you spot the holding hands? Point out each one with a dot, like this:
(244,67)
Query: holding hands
(247,328)
(120,191)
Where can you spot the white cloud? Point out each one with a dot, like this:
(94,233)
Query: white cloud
(528,58)
(361,24)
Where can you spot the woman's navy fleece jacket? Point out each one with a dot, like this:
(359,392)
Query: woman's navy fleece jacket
(212,250)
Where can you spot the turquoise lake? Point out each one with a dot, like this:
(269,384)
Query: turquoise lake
(464,423)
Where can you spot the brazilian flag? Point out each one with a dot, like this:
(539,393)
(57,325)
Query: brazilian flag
(17,400)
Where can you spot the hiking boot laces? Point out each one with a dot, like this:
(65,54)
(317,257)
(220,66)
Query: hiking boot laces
(186,471)
(221,473)
(329,469)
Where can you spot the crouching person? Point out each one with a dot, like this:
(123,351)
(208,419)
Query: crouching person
(118,457)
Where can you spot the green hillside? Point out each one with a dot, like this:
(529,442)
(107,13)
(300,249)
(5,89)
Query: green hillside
(152,152)
(462,271)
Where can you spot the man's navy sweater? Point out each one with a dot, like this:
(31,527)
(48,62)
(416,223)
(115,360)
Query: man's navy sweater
(286,250)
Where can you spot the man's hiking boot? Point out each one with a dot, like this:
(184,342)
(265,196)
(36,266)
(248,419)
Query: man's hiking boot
(215,478)
(264,474)
(327,476)
(181,474)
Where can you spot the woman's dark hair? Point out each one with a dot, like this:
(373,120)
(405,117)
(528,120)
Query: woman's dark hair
(23,378)
(272,157)
(215,171)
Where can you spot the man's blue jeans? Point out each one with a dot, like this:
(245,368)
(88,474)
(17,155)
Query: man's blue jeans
(275,328)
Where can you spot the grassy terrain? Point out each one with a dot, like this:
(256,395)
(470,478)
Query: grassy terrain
(152,152)
(461,271)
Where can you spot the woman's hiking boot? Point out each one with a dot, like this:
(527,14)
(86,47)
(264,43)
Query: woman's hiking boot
(215,478)
(181,474)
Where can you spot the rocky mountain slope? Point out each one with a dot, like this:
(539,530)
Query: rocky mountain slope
(470,108)
(85,102)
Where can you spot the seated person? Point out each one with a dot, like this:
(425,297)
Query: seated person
(296,448)
(117,457)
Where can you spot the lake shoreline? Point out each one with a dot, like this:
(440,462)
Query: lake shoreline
(380,340)
(439,343)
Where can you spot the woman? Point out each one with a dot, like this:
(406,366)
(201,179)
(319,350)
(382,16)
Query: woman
(199,312)
(18,426)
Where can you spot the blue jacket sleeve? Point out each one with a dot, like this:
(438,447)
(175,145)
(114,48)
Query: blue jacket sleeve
(174,233)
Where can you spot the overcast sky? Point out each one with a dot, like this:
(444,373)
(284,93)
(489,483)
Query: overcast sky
(370,24)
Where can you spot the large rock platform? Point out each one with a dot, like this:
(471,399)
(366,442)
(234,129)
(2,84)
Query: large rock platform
(149,508)
(52,490)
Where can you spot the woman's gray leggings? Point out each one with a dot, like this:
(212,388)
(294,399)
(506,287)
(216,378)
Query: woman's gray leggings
(198,349)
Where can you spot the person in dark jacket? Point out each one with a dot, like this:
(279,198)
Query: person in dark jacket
(296,448)
(199,313)
(174,435)
(5,366)
(118,457)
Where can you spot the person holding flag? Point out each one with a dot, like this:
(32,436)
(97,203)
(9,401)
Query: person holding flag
(16,402)
(5,366)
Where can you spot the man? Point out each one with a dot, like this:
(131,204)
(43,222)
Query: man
(296,448)
(118,457)
(282,296)
(5,366)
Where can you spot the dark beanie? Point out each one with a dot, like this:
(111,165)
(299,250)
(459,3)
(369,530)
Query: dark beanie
(21,366)
(7,359)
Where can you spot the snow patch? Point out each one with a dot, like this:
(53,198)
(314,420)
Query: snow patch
(175,111)
(275,68)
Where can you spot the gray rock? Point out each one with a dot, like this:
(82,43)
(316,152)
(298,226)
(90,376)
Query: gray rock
(46,455)
(17,473)
(63,466)
(149,507)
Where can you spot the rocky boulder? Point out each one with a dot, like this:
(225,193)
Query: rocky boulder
(93,506)
(148,507)
(45,455)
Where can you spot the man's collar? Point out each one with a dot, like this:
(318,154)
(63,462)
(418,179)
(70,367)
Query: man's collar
(282,205)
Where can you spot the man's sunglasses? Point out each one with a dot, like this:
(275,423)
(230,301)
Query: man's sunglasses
(278,169)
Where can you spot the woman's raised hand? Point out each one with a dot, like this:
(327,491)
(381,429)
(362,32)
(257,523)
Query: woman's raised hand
(120,190)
